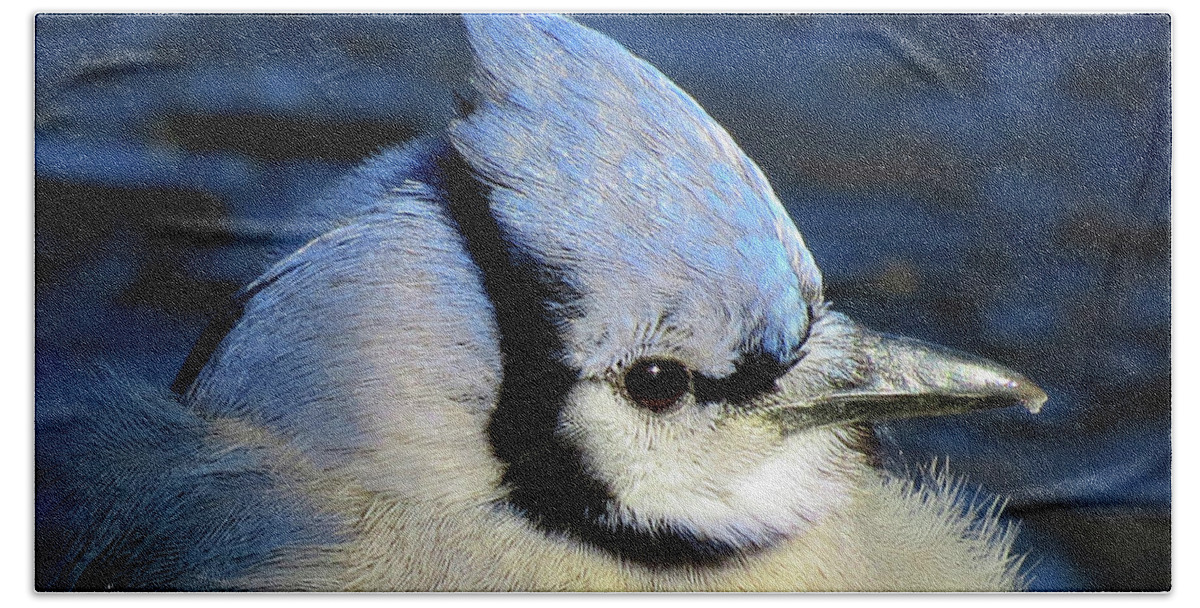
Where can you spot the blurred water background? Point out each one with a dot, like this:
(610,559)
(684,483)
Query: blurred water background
(998,184)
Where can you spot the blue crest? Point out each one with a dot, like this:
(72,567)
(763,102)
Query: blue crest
(605,171)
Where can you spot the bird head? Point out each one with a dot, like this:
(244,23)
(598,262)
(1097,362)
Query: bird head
(675,386)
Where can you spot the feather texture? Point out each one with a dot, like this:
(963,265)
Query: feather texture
(432,395)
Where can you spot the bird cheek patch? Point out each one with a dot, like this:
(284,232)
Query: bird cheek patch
(732,480)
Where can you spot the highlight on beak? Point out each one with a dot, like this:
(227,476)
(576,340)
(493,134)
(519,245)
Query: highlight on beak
(899,377)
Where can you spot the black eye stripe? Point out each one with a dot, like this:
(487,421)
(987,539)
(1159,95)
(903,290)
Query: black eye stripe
(657,384)
(755,376)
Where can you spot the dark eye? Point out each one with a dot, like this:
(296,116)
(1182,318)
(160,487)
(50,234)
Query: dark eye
(657,384)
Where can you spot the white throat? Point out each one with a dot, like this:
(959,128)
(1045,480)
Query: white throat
(736,481)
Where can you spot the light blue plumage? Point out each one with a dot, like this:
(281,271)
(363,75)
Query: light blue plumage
(575,344)
(134,492)
(579,138)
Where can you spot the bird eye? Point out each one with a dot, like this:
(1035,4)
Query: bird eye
(657,384)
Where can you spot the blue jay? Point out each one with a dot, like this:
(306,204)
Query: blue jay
(576,343)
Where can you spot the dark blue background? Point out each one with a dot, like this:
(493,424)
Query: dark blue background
(999,184)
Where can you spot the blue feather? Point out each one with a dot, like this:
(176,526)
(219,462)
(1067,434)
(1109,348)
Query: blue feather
(594,154)
(134,492)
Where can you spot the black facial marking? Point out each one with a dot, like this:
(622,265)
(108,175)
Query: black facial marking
(754,376)
(544,476)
